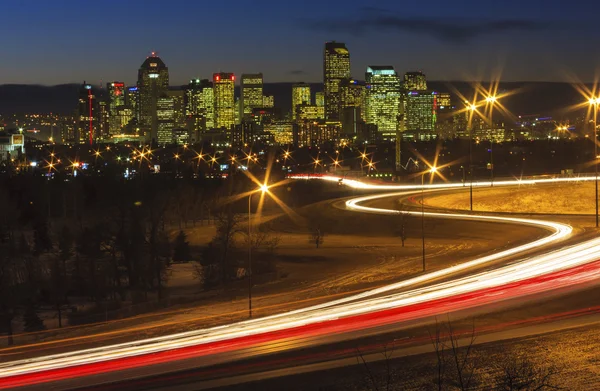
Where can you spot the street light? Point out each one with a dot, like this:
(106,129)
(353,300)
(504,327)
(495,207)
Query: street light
(594,103)
(491,100)
(432,170)
(264,188)
(472,109)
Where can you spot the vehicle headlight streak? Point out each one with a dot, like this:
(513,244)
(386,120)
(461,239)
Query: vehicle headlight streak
(374,300)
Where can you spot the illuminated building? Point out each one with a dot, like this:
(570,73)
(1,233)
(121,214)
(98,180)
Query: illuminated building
(180,136)
(300,96)
(336,67)
(352,105)
(264,115)
(178,107)
(310,112)
(251,94)
(116,98)
(103,121)
(320,99)
(421,107)
(11,146)
(193,95)
(199,107)
(165,114)
(268,101)
(132,99)
(318,133)
(87,115)
(224,101)
(444,100)
(415,81)
(153,82)
(383,99)
(282,131)
(124,114)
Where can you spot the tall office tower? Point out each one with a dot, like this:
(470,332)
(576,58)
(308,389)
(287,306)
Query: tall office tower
(199,103)
(223,95)
(178,107)
(165,119)
(383,98)
(132,99)
(88,112)
(300,96)
(415,81)
(336,67)
(195,116)
(251,94)
(103,121)
(193,95)
(207,102)
(153,82)
(352,94)
(421,109)
(320,99)
(268,101)
(116,98)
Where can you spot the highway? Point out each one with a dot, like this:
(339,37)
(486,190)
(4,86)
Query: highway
(464,286)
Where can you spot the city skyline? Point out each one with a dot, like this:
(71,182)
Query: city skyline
(66,44)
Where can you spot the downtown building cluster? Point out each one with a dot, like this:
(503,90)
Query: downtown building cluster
(383,106)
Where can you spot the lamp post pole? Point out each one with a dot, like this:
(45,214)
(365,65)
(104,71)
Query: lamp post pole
(423,216)
(249,257)
(471,165)
(595,139)
(492,145)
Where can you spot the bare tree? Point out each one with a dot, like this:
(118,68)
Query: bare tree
(373,379)
(455,361)
(521,374)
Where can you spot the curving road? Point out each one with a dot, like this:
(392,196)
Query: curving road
(439,292)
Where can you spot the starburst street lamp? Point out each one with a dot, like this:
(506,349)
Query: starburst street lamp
(264,188)
(431,171)
(491,100)
(472,108)
(594,105)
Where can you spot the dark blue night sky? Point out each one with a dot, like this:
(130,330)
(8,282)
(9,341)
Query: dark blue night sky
(52,42)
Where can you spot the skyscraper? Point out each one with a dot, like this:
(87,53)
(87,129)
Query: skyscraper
(153,82)
(207,102)
(116,98)
(251,94)
(132,99)
(165,119)
(421,113)
(224,101)
(87,128)
(178,107)
(352,104)
(320,99)
(336,67)
(383,98)
(300,96)
(415,81)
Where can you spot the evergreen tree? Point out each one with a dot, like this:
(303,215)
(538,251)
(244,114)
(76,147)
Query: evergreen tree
(181,246)
(32,321)
(41,238)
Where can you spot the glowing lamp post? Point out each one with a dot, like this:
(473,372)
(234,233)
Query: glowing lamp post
(491,100)
(262,189)
(594,104)
(432,170)
(472,109)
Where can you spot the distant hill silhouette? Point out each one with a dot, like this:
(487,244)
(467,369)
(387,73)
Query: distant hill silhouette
(536,98)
